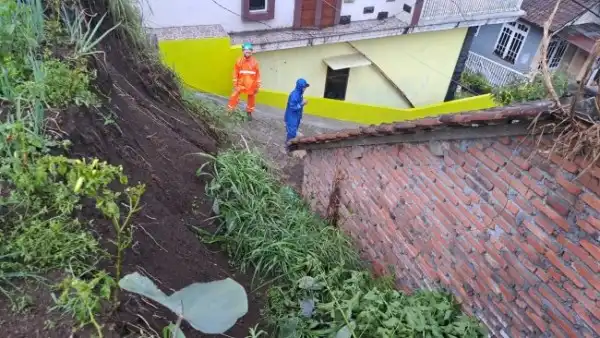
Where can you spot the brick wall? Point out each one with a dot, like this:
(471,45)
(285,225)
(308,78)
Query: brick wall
(513,235)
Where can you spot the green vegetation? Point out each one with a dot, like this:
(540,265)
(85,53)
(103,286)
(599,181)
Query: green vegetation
(43,197)
(518,91)
(526,91)
(475,83)
(318,286)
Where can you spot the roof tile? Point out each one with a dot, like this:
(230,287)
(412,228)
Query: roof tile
(538,11)
(508,114)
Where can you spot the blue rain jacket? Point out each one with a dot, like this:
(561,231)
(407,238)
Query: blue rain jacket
(293,111)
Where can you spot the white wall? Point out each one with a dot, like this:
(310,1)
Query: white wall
(176,13)
(394,8)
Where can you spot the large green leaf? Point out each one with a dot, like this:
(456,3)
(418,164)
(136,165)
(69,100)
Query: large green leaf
(211,308)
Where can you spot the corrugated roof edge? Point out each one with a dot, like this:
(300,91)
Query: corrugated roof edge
(461,121)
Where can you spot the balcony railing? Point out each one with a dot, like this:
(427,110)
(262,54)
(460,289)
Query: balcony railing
(463,10)
(496,73)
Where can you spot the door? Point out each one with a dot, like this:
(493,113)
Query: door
(328,12)
(308,12)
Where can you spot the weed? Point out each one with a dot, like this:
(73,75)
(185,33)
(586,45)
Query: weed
(83,298)
(81,33)
(318,285)
(529,90)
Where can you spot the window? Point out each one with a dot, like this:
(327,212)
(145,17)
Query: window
(336,83)
(258,10)
(510,42)
(556,50)
(477,31)
(257,5)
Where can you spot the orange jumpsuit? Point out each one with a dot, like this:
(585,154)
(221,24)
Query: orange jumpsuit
(246,80)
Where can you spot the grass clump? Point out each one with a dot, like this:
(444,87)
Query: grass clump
(318,285)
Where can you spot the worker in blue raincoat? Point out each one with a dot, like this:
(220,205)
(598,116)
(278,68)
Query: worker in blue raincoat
(293,111)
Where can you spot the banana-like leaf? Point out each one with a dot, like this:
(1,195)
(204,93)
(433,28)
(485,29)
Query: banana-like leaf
(211,308)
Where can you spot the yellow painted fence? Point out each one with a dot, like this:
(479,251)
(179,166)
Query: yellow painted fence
(207,65)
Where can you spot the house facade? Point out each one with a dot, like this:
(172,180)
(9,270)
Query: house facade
(394,53)
(473,204)
(511,51)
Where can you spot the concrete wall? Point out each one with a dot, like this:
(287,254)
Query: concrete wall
(207,64)
(355,9)
(177,13)
(515,237)
(420,64)
(485,42)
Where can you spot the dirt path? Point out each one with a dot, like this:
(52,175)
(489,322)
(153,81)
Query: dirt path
(267,132)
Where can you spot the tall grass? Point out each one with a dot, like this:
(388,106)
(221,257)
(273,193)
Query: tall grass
(318,285)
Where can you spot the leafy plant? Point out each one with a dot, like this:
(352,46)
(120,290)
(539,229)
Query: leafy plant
(83,298)
(211,308)
(81,33)
(522,91)
(319,287)
(475,82)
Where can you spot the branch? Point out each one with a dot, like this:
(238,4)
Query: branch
(545,70)
(588,70)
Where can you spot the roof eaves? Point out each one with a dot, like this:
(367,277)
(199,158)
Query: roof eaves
(495,119)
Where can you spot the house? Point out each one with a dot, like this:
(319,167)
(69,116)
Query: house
(392,53)
(470,203)
(510,51)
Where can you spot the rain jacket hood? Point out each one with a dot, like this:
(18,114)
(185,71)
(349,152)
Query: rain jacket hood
(301,84)
(294,109)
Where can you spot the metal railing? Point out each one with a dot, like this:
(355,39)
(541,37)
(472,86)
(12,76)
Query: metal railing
(434,10)
(496,73)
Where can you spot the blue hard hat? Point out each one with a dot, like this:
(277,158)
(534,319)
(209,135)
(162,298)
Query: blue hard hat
(247,46)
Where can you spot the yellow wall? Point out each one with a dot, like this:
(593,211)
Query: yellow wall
(206,65)
(420,64)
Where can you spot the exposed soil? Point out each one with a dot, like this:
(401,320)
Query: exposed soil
(155,142)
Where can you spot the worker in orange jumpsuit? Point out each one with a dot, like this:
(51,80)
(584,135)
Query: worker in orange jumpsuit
(246,80)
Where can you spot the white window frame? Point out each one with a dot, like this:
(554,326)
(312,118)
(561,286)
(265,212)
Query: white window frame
(259,10)
(514,28)
(552,54)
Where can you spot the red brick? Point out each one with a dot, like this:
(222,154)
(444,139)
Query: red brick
(586,226)
(536,174)
(590,277)
(542,235)
(594,222)
(556,304)
(484,159)
(571,275)
(591,200)
(580,252)
(555,274)
(545,223)
(589,304)
(560,292)
(571,187)
(539,322)
(590,182)
(560,205)
(593,249)
(533,186)
(565,164)
(495,156)
(585,315)
(551,213)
